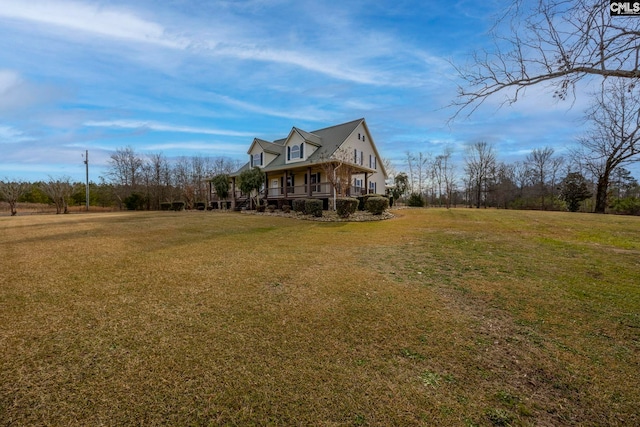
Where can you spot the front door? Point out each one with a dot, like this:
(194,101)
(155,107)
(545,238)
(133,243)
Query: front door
(274,187)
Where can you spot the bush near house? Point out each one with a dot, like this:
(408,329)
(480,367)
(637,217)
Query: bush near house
(313,207)
(346,206)
(299,205)
(377,205)
(362,200)
(286,208)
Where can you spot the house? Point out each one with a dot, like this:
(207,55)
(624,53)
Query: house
(337,160)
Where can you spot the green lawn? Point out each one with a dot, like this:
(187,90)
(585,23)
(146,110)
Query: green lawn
(436,317)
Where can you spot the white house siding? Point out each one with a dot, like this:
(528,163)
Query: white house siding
(361,140)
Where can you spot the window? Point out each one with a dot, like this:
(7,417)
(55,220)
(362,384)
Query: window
(357,187)
(372,187)
(295,152)
(361,158)
(358,137)
(315,182)
(372,161)
(290,184)
(256,160)
(355,156)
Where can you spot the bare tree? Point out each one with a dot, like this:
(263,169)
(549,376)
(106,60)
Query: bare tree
(543,168)
(339,169)
(156,173)
(59,190)
(125,168)
(480,161)
(557,42)
(613,139)
(11,191)
(444,175)
(419,166)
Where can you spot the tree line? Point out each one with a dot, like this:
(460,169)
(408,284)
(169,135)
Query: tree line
(542,180)
(132,181)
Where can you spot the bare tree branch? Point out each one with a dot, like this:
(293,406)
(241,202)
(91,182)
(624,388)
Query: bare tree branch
(555,41)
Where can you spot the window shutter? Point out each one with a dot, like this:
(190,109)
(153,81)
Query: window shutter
(251,159)
(261,159)
(288,153)
(302,150)
(355,156)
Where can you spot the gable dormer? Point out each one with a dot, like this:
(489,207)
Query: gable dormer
(299,145)
(261,153)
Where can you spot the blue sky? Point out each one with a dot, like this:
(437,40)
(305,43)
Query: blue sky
(195,77)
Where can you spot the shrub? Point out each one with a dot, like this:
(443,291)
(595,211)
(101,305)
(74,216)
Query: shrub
(134,202)
(298,205)
(313,207)
(286,208)
(415,200)
(271,208)
(363,200)
(345,206)
(177,206)
(377,205)
(260,208)
(165,206)
(627,206)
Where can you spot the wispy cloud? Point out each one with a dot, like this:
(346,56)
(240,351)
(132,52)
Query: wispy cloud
(10,135)
(91,18)
(306,114)
(347,64)
(161,127)
(16,93)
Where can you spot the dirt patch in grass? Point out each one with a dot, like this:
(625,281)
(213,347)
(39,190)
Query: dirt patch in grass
(439,317)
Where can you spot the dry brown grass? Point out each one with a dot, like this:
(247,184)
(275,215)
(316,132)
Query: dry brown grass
(459,317)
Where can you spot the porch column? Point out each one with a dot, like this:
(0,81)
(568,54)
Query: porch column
(366,183)
(285,189)
(309,181)
(266,186)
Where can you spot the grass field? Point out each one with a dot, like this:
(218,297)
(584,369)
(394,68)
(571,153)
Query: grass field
(436,317)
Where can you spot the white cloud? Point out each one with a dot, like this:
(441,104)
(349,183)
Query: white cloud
(200,146)
(160,127)
(8,80)
(12,135)
(306,114)
(90,18)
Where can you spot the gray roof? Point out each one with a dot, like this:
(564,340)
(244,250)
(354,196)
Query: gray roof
(327,139)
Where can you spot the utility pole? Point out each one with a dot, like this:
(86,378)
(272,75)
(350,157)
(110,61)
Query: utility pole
(86,162)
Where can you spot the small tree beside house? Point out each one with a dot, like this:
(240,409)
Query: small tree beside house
(221,186)
(251,180)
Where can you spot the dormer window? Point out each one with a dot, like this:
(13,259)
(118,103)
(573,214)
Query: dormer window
(295,152)
(256,159)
